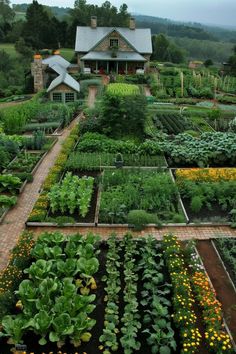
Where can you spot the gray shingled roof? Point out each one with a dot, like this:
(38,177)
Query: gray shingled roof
(64,79)
(56,60)
(121,56)
(58,68)
(87,37)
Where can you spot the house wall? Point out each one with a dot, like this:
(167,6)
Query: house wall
(105,44)
(63,89)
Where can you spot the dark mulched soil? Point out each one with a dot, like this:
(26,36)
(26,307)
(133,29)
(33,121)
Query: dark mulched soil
(205,215)
(224,289)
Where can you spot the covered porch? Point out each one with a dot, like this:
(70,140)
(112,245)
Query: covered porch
(104,63)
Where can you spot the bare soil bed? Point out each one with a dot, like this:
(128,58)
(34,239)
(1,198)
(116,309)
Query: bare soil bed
(224,289)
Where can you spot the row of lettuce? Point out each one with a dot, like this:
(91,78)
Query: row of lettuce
(156,295)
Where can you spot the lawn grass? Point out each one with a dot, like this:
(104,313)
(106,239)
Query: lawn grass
(66,53)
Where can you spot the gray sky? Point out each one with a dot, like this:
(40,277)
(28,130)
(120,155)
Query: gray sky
(205,11)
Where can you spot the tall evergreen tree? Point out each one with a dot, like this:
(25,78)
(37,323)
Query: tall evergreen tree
(6,18)
(39,31)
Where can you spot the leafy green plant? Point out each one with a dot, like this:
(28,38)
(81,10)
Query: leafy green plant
(71,194)
(7,201)
(131,317)
(157,319)
(109,337)
(127,190)
(196,203)
(50,303)
(140,218)
(9,183)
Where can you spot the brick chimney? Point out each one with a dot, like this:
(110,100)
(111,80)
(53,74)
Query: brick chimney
(94,22)
(132,23)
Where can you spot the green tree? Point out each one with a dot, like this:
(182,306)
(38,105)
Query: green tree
(6,18)
(232,62)
(22,48)
(176,54)
(6,12)
(164,50)
(39,31)
(15,32)
(5,61)
(122,115)
(208,63)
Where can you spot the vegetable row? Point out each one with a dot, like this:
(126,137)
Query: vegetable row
(157,297)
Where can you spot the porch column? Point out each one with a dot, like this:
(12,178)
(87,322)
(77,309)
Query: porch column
(108,67)
(126,67)
(117,67)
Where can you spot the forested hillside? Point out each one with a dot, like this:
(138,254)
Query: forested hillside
(189,40)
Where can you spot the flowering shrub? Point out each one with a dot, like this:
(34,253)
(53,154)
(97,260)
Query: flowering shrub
(216,337)
(12,275)
(183,300)
(207,174)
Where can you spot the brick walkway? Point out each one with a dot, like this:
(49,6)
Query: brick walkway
(14,222)
(184,233)
(147,91)
(92,96)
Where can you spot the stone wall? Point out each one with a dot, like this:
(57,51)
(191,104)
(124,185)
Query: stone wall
(63,88)
(38,72)
(105,44)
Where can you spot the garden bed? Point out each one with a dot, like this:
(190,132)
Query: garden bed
(76,218)
(137,301)
(226,249)
(224,289)
(149,194)
(215,215)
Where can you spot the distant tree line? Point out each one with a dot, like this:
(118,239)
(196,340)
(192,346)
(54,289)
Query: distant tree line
(42,29)
(202,50)
(232,62)
(177,30)
(166,50)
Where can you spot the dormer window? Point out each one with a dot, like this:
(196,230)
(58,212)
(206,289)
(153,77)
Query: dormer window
(114,43)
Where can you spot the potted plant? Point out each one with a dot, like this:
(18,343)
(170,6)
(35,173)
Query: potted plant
(119,162)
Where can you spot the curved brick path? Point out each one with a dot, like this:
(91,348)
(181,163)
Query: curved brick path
(14,222)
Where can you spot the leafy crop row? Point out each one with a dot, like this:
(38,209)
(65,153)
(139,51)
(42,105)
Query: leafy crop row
(157,308)
(73,193)
(94,161)
(49,300)
(113,287)
(123,89)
